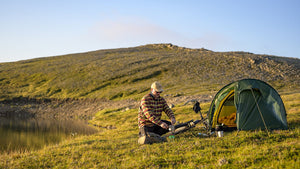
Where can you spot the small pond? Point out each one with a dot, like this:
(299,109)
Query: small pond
(20,135)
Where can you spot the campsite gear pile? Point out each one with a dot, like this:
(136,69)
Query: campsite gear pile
(247,104)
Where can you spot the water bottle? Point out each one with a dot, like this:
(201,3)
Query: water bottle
(172,130)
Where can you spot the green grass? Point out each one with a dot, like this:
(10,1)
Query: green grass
(118,148)
(125,73)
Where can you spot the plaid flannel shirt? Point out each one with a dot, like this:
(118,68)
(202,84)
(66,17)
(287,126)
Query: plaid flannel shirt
(151,109)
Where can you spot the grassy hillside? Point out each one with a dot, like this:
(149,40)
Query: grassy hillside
(128,72)
(121,74)
(118,148)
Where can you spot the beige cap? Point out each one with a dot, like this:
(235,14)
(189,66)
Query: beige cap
(157,87)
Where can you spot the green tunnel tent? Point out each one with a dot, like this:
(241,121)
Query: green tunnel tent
(247,104)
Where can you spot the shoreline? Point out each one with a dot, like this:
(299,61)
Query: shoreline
(83,109)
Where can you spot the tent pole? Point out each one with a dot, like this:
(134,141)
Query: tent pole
(260,112)
(237,133)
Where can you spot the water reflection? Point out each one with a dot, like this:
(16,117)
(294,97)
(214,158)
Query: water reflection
(28,134)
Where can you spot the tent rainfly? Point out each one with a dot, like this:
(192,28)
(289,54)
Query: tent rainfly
(247,104)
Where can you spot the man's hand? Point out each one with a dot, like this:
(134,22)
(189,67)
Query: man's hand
(164,125)
(173,121)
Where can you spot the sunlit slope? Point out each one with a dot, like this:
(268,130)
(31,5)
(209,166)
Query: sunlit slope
(128,72)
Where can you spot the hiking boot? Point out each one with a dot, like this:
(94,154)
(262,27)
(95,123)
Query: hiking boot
(142,140)
(151,138)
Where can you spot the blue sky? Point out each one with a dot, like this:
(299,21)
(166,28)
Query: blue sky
(41,28)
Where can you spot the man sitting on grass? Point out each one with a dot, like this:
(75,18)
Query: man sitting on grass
(151,127)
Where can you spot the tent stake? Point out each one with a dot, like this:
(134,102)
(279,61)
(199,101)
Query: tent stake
(260,112)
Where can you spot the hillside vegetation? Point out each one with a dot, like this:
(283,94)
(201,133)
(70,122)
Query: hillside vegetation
(118,148)
(89,82)
(128,72)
